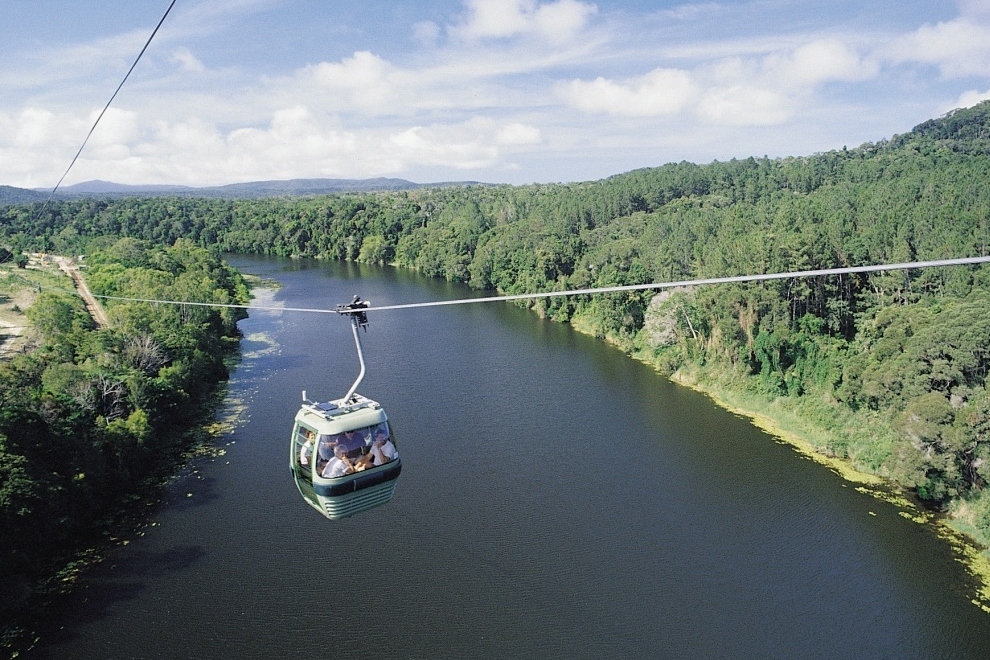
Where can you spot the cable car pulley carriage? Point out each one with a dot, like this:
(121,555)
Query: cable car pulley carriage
(342,452)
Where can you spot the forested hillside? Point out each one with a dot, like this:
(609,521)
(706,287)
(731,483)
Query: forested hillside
(92,419)
(886,370)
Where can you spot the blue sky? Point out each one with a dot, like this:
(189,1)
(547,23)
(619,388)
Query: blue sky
(514,91)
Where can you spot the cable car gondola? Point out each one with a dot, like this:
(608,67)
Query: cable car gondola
(342,452)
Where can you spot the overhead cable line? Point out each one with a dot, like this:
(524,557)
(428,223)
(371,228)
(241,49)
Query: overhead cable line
(107,106)
(711,280)
(909,265)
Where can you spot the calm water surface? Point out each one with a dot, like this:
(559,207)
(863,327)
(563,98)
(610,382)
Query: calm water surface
(557,500)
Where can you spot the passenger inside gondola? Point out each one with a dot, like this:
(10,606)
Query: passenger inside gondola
(325,450)
(354,442)
(381,449)
(306,451)
(339,465)
(305,441)
(357,450)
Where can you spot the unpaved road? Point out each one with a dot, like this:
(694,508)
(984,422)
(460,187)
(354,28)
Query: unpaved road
(70,268)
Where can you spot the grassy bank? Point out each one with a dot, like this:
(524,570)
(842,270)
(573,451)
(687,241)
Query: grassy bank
(847,448)
(19,287)
(787,425)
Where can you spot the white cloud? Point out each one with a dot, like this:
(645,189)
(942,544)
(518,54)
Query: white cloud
(518,134)
(189,139)
(959,47)
(366,87)
(295,143)
(497,18)
(363,82)
(659,92)
(967,100)
(558,21)
(111,137)
(36,145)
(562,20)
(819,61)
(468,145)
(296,140)
(742,105)
(437,146)
(32,127)
(187,61)
(737,90)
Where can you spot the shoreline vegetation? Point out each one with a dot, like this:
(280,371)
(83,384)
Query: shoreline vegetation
(968,551)
(812,440)
(882,372)
(96,419)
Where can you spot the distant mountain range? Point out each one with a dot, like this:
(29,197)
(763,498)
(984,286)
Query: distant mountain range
(251,190)
(11,195)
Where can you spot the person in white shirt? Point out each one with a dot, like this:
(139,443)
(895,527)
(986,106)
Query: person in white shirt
(306,452)
(382,449)
(339,465)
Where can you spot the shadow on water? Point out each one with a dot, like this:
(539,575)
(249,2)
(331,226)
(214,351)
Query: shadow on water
(193,492)
(106,589)
(121,577)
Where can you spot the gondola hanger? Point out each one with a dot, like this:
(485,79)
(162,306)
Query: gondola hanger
(342,452)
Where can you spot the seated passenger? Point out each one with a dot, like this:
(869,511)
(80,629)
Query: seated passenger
(339,465)
(353,442)
(382,451)
(382,448)
(324,451)
(327,443)
(306,452)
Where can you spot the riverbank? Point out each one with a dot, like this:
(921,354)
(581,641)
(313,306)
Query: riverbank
(118,527)
(60,516)
(968,550)
(787,426)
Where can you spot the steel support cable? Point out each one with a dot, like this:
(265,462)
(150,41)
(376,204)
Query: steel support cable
(611,289)
(107,106)
(698,282)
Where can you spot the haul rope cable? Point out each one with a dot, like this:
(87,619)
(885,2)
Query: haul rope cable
(112,97)
(610,289)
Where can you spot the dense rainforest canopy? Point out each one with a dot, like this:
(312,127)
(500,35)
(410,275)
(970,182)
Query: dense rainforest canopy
(93,418)
(891,368)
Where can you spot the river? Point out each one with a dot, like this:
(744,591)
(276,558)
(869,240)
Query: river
(557,499)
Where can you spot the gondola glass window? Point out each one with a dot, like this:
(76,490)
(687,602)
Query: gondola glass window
(353,451)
